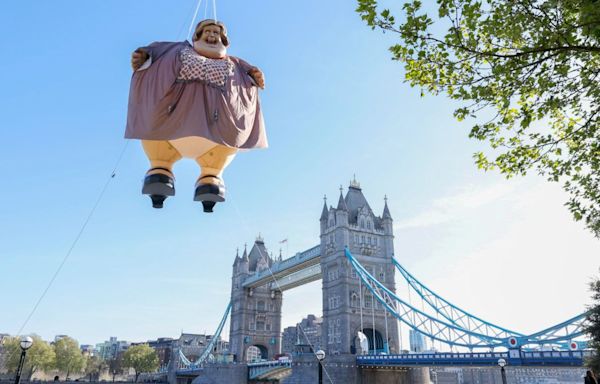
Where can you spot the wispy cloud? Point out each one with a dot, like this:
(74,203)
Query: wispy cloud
(449,208)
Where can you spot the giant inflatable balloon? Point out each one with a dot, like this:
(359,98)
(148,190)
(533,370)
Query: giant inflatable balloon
(193,101)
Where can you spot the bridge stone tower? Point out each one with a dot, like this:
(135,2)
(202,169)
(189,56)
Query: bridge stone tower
(370,238)
(255,313)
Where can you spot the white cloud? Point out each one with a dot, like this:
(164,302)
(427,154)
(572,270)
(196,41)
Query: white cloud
(519,262)
(449,208)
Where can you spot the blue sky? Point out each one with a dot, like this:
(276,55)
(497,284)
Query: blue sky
(335,106)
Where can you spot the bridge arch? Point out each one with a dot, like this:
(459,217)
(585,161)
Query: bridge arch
(379,347)
(379,342)
(256,352)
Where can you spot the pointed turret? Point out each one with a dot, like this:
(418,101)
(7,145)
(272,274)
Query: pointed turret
(237,257)
(245,254)
(342,203)
(244,262)
(325,212)
(341,213)
(386,211)
(388,225)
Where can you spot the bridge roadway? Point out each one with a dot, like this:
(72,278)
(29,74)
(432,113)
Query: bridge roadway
(302,268)
(513,358)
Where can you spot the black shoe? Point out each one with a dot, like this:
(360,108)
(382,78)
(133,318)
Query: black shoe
(209,195)
(159,186)
(207,206)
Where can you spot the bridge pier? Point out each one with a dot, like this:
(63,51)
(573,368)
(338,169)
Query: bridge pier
(223,374)
(389,375)
(343,369)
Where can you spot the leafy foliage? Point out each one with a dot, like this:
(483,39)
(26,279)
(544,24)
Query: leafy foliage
(68,356)
(115,366)
(40,357)
(94,367)
(528,71)
(593,326)
(142,358)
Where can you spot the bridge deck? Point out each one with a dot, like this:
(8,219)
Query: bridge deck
(294,268)
(542,358)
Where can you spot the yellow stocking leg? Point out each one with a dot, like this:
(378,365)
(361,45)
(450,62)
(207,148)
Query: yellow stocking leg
(159,180)
(162,156)
(213,162)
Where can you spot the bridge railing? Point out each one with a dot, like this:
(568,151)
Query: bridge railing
(534,358)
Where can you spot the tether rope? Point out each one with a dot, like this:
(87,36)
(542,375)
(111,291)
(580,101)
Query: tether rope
(189,34)
(74,243)
(183,23)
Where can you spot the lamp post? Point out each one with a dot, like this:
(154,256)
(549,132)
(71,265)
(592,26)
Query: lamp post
(26,343)
(502,364)
(320,356)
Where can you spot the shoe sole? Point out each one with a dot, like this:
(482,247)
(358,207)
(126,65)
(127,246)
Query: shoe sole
(158,189)
(209,197)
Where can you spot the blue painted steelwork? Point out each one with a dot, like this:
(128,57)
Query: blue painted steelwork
(187,365)
(265,369)
(450,311)
(450,333)
(557,334)
(529,359)
(418,320)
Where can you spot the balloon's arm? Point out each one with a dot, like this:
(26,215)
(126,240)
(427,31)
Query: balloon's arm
(146,64)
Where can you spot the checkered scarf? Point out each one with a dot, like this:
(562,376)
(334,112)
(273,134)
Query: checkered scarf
(195,67)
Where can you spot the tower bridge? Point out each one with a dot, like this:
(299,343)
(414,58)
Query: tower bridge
(355,261)
(258,282)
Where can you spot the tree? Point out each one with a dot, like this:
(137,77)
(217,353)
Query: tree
(40,357)
(592,327)
(528,71)
(142,358)
(115,366)
(68,356)
(94,367)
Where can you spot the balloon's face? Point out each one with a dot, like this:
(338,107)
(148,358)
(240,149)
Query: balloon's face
(209,44)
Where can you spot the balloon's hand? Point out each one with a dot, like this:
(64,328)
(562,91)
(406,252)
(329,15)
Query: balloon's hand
(258,77)
(138,58)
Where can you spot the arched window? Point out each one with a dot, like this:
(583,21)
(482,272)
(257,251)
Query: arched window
(362,223)
(353,299)
(368,224)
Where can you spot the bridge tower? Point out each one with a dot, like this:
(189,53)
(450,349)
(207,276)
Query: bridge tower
(255,313)
(370,239)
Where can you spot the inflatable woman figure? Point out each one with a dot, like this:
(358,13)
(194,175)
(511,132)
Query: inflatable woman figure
(193,101)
